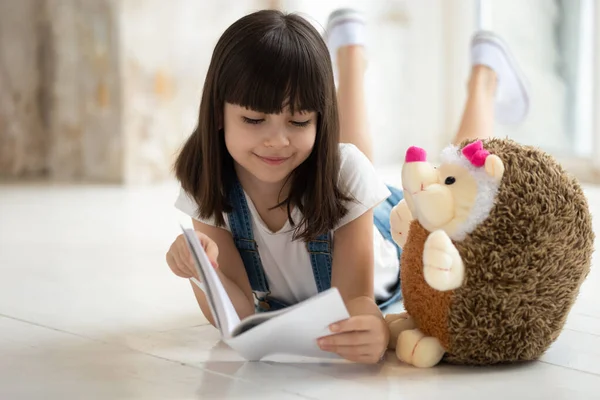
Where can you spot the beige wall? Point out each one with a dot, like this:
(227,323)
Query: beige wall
(165,49)
(61,115)
(23,142)
(103,90)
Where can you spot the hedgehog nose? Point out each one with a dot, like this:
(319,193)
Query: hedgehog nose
(415,154)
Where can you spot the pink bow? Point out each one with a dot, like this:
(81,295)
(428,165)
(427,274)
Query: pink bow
(475,153)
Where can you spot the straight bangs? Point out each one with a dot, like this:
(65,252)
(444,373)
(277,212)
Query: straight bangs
(276,72)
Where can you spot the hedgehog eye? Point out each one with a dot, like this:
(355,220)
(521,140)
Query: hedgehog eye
(450,180)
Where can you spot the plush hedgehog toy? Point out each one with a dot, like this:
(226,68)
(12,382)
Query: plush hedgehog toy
(496,243)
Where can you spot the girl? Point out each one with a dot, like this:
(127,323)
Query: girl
(277,175)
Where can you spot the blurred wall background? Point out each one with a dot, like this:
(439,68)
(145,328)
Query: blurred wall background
(107,90)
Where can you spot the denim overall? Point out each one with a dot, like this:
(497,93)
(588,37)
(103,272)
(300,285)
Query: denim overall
(320,249)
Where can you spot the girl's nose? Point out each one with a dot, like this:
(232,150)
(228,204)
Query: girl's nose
(277,139)
(415,154)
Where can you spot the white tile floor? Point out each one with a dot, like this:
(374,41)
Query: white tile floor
(89,309)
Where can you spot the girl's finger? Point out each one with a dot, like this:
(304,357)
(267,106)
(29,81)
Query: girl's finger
(365,355)
(211,249)
(348,339)
(356,323)
(175,266)
(181,265)
(173,263)
(186,257)
(354,352)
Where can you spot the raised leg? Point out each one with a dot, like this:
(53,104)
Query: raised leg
(478,116)
(497,90)
(346,40)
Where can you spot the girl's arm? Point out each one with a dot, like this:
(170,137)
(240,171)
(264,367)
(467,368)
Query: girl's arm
(231,271)
(353,265)
(364,336)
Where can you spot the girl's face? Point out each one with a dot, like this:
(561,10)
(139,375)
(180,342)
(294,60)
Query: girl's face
(269,146)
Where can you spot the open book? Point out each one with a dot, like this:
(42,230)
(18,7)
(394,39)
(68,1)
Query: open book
(293,330)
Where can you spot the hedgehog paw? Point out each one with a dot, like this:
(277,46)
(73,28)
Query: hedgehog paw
(419,350)
(397,324)
(443,268)
(400,219)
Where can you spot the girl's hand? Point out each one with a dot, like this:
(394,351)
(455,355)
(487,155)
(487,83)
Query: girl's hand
(362,338)
(180,259)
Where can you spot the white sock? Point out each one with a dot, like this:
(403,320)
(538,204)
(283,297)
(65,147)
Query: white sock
(345,28)
(346,33)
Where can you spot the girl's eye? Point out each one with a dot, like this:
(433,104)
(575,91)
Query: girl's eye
(252,121)
(301,124)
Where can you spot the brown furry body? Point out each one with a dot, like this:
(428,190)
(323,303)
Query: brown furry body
(428,307)
(524,266)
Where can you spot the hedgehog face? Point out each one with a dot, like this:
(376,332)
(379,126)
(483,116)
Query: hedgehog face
(457,196)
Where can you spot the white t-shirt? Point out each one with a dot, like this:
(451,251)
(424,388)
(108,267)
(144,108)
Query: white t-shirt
(287,263)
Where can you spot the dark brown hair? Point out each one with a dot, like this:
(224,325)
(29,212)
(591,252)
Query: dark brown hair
(265,61)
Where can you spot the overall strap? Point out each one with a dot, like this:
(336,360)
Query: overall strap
(320,250)
(240,223)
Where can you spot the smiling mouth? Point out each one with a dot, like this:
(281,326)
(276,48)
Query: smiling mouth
(273,160)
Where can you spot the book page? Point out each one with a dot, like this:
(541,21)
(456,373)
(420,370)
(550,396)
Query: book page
(222,309)
(293,332)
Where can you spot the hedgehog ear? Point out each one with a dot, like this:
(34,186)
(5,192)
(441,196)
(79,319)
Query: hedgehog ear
(494,167)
